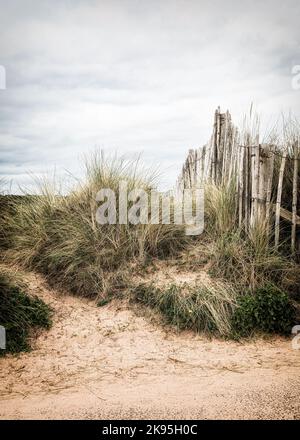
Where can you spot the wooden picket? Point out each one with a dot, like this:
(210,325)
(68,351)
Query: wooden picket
(229,157)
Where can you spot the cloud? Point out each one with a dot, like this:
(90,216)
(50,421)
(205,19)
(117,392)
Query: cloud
(136,76)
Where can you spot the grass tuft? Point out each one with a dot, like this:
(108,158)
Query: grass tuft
(204,308)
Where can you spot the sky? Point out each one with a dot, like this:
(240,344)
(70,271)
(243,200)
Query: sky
(135,77)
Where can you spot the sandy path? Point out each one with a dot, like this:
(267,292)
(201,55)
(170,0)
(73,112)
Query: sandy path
(111,363)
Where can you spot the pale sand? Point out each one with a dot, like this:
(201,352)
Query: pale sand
(109,362)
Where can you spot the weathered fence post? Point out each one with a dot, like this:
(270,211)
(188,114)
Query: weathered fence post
(294,197)
(269,187)
(278,200)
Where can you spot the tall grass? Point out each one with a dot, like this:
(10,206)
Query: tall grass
(246,258)
(59,236)
(237,259)
(220,208)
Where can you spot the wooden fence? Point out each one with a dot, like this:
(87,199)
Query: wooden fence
(266,176)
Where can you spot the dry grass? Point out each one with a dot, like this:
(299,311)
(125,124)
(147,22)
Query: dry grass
(246,258)
(59,236)
(220,208)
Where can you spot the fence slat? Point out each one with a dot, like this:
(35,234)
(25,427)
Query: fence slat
(294,198)
(278,200)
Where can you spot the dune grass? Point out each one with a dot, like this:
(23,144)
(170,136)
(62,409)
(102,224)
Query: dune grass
(246,258)
(59,236)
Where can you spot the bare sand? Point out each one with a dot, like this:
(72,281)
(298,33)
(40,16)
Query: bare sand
(111,362)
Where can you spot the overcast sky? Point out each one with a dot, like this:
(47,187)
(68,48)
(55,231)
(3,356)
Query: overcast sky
(136,76)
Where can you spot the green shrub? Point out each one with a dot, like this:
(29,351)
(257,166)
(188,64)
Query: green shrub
(19,313)
(268,310)
(206,308)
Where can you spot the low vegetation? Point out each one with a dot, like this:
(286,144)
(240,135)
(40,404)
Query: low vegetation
(217,309)
(206,308)
(269,310)
(20,313)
